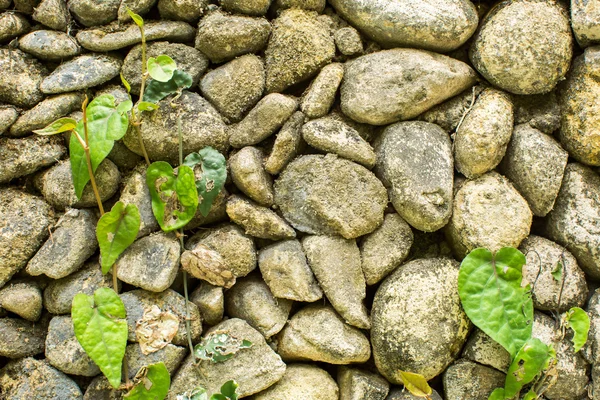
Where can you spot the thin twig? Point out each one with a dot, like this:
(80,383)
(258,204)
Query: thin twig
(136,122)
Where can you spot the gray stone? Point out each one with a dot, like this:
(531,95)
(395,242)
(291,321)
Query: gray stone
(217,212)
(24,227)
(20,338)
(328,195)
(254,369)
(25,6)
(481,139)
(592,349)
(182,10)
(22,157)
(284,268)
(82,72)
(140,7)
(335,261)
(348,41)
(311,5)
(263,120)
(301,44)
(116,36)
(302,381)
(135,191)
(249,175)
(488,212)
(584,21)
(94,12)
(29,378)
(484,350)
(46,112)
(384,249)
(12,25)
(210,301)
(73,241)
(56,185)
(8,115)
(122,157)
(20,87)
(258,221)
(510,53)
(399,84)
(366,131)
(49,45)
(188,60)
(320,96)
(287,145)
(223,37)
(53,13)
(403,394)
(59,294)
(248,7)
(414,160)
(64,352)
(535,164)
(575,219)
(466,380)
(251,299)
(230,241)
(317,333)
(356,384)
(333,136)
(451,112)
(434,25)
(580,120)
(117,91)
(170,355)
(23,299)
(419,300)
(150,263)
(540,111)
(201,125)
(235,87)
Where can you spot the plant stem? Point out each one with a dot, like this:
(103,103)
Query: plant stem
(136,122)
(88,158)
(138,130)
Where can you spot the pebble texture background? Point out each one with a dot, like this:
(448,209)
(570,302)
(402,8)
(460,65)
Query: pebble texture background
(371,144)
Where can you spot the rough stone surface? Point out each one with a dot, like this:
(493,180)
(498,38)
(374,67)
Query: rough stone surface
(320,96)
(300,45)
(20,338)
(488,212)
(248,7)
(49,45)
(384,249)
(24,223)
(510,53)
(328,195)
(8,115)
(210,301)
(248,174)
(135,191)
(72,242)
(182,10)
(258,221)
(82,72)
(287,145)
(312,5)
(21,157)
(574,222)
(418,324)
(356,384)
(12,25)
(302,381)
(466,380)
(95,12)
(584,20)
(540,111)
(23,299)
(21,86)
(348,41)
(482,349)
(53,13)
(402,394)
(254,369)
(450,113)
(399,84)
(433,25)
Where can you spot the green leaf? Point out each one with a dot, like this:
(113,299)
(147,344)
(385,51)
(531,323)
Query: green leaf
(416,384)
(229,390)
(579,322)
(210,169)
(139,21)
(557,272)
(531,395)
(101,329)
(197,394)
(153,383)
(58,126)
(106,123)
(147,106)
(174,198)
(125,83)
(497,394)
(529,362)
(219,347)
(156,90)
(492,297)
(161,68)
(116,231)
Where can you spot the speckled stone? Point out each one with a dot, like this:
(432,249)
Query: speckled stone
(357,384)
(210,302)
(320,96)
(584,20)
(64,352)
(248,7)
(466,380)
(22,157)
(12,25)
(22,298)
(302,381)
(348,41)
(82,72)
(20,338)
(182,10)
(21,86)
(287,145)
(49,45)
(8,115)
(482,349)
(258,221)
(53,14)
(249,175)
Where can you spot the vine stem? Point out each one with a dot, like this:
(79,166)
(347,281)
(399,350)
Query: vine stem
(136,122)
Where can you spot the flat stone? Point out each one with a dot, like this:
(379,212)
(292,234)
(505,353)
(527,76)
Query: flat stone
(258,221)
(49,45)
(53,13)
(399,84)
(356,384)
(24,223)
(223,37)
(12,25)
(82,72)
(22,157)
(468,380)
(327,195)
(116,36)
(8,115)
(249,175)
(284,268)
(248,7)
(317,333)
(419,300)
(135,191)
(94,12)
(300,45)
(302,381)
(210,301)
(21,86)
(321,94)
(287,145)
(23,299)
(20,338)
(186,10)
(535,164)
(510,53)
(439,26)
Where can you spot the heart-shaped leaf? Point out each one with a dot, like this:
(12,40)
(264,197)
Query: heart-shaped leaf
(497,394)
(174,197)
(156,90)
(101,329)
(58,126)
(152,383)
(229,390)
(116,231)
(161,68)
(579,322)
(491,294)
(416,384)
(210,169)
(529,362)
